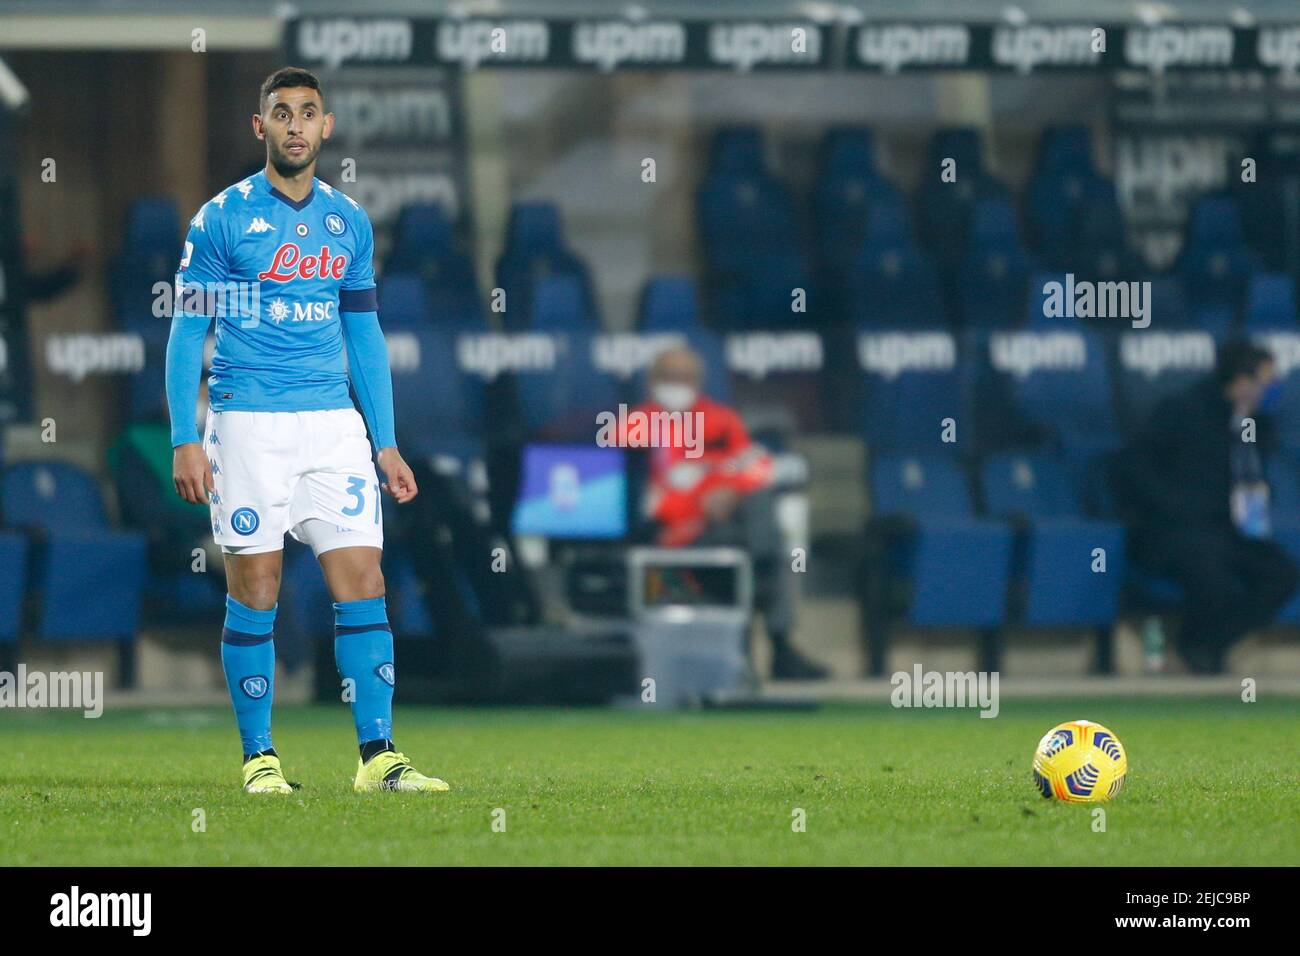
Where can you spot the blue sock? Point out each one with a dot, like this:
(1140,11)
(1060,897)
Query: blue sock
(248,658)
(363,650)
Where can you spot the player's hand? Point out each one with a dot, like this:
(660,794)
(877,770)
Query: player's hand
(192,473)
(401,480)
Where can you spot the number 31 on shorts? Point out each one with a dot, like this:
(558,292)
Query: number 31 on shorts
(357,489)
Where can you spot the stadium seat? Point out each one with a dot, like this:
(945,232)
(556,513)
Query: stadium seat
(944,208)
(1154,365)
(1056,584)
(76,554)
(993,277)
(535,249)
(438,407)
(559,305)
(1064,388)
(403,304)
(1101,249)
(149,254)
(1270,303)
(1215,261)
(424,244)
(910,382)
(668,304)
(737,149)
(13,584)
(561,403)
(1060,192)
(929,562)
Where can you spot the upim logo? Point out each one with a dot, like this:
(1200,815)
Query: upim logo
(889,354)
(470,42)
(75,909)
(625,353)
(335,42)
(1279,47)
(1152,353)
(491,353)
(758,353)
(1028,47)
(1159,48)
(947,689)
(901,45)
(1020,354)
(747,45)
(80,354)
(611,43)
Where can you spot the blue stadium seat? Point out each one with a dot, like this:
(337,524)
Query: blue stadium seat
(1060,192)
(1154,365)
(1270,303)
(1066,390)
(150,254)
(1055,557)
(669,304)
(994,274)
(439,408)
(559,305)
(737,149)
(13,584)
(535,249)
(943,208)
(561,403)
(1215,261)
(424,244)
(403,305)
(1100,237)
(910,383)
(957,565)
(78,555)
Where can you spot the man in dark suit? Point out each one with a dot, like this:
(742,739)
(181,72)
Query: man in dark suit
(1192,487)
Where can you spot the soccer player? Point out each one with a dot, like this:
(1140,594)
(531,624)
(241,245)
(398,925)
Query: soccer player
(283,447)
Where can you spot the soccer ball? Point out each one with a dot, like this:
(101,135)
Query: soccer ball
(1080,762)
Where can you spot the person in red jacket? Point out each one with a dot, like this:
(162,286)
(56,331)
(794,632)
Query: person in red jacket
(709,485)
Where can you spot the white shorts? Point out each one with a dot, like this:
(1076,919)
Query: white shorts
(308,473)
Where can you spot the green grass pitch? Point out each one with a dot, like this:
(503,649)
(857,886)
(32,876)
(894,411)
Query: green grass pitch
(1211,781)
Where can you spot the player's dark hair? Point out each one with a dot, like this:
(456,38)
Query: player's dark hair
(287,76)
(1240,357)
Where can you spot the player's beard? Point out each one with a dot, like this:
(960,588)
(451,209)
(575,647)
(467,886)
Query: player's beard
(287,166)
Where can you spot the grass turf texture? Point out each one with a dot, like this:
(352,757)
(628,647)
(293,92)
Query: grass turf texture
(1210,782)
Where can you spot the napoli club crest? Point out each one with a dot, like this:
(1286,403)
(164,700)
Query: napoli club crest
(255,686)
(335,224)
(387,673)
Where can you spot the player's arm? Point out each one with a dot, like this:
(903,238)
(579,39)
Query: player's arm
(202,267)
(372,379)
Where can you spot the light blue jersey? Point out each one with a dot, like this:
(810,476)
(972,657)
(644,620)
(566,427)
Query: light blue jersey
(284,282)
(293,264)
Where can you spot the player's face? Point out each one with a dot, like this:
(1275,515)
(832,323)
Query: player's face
(294,124)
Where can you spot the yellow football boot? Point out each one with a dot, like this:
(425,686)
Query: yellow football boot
(391,770)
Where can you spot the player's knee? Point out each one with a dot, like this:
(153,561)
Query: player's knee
(259,590)
(371,583)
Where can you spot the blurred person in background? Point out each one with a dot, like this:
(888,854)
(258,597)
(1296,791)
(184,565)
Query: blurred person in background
(719,495)
(1194,494)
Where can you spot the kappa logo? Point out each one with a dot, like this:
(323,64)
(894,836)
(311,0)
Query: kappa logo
(245,521)
(245,188)
(255,686)
(260,225)
(387,673)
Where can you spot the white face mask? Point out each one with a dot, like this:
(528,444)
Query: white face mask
(674,396)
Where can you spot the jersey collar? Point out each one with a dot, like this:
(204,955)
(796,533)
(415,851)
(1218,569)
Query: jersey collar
(295,204)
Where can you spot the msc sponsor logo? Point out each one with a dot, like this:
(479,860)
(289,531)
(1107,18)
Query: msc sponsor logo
(747,45)
(344,40)
(893,47)
(1160,48)
(1020,354)
(470,42)
(889,354)
(757,354)
(611,43)
(489,354)
(1029,47)
(80,354)
(625,353)
(1152,353)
